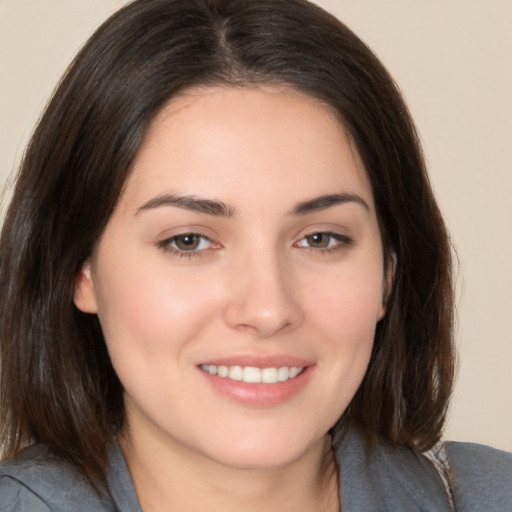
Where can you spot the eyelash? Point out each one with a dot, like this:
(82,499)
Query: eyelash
(342,242)
(166,245)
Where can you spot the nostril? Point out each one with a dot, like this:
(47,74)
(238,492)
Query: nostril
(264,322)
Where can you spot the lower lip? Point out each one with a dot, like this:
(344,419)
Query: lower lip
(258,395)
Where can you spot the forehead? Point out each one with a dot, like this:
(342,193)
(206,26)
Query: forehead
(238,143)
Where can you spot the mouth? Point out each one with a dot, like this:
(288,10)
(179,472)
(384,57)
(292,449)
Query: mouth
(258,382)
(253,375)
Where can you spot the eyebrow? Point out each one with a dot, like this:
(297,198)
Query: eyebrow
(326,201)
(220,209)
(192,203)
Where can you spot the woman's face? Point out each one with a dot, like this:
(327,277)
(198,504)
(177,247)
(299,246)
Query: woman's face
(244,246)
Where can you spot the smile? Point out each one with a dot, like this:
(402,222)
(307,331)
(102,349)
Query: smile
(252,375)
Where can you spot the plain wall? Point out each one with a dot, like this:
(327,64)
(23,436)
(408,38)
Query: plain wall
(453,62)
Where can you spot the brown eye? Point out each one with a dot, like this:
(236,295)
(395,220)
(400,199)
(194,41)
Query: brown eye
(319,240)
(187,242)
(190,243)
(324,241)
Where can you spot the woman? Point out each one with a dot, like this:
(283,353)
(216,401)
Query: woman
(226,281)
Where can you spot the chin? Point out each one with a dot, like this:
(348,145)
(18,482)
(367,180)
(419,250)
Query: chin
(258,460)
(261,451)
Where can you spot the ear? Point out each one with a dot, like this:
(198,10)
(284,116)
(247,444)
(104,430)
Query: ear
(85,292)
(389,280)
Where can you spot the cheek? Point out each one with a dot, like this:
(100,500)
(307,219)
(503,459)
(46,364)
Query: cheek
(349,302)
(146,310)
(345,311)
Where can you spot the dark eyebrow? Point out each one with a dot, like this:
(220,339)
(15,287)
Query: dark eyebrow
(192,203)
(326,201)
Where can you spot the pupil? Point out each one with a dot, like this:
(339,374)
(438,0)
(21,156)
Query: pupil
(318,240)
(187,242)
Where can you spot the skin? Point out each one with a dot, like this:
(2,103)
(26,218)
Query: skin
(256,284)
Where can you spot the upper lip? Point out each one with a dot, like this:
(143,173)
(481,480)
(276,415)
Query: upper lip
(258,361)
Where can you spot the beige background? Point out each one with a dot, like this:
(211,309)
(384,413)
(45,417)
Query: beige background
(453,61)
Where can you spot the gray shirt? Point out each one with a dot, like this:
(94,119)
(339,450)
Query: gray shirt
(384,479)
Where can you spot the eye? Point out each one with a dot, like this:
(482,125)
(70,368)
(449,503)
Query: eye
(186,243)
(323,241)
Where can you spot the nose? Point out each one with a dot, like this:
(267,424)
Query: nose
(261,299)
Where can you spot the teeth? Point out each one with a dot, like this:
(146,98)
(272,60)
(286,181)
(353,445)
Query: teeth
(253,375)
(269,375)
(222,371)
(235,372)
(293,372)
(283,374)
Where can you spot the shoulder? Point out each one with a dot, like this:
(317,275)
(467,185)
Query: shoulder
(38,482)
(481,477)
(382,477)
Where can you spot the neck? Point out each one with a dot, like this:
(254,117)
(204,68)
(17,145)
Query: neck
(165,474)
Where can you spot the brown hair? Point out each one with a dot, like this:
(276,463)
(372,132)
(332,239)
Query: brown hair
(57,383)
